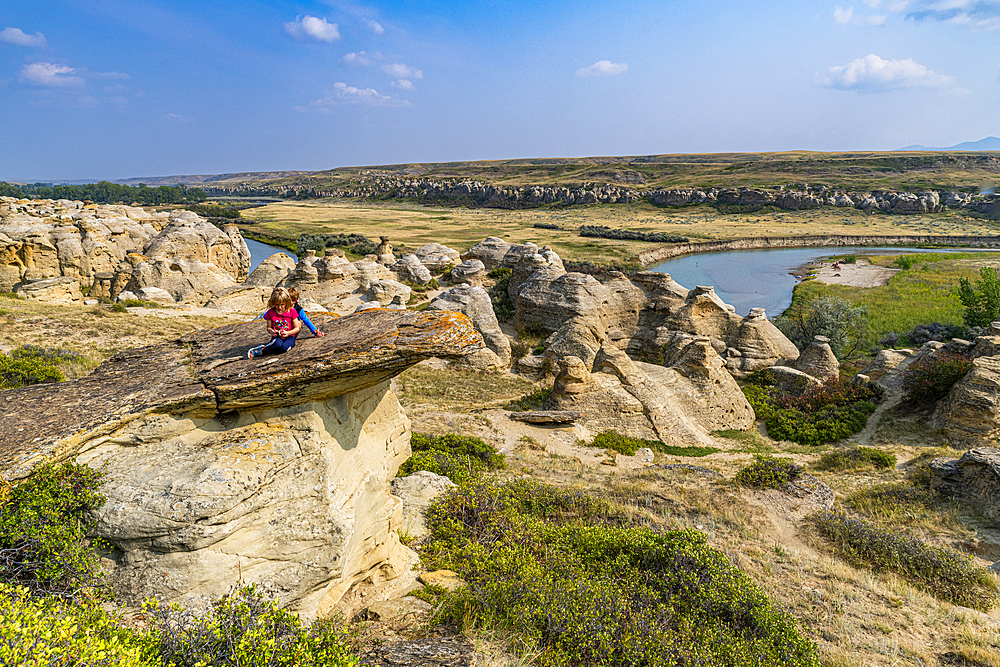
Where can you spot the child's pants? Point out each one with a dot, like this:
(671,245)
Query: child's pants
(278,345)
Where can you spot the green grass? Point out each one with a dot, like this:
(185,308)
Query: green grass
(625,445)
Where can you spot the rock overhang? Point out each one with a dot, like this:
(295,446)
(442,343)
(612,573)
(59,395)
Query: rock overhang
(205,373)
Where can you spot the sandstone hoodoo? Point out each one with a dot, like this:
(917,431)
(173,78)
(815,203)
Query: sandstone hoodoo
(218,467)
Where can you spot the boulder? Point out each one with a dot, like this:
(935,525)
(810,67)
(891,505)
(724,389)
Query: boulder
(384,252)
(970,413)
(884,363)
(385,291)
(705,314)
(793,381)
(437,258)
(274,471)
(819,361)
(156,295)
(474,303)
(417,491)
(758,344)
(973,479)
(62,291)
(190,236)
(470,272)
(270,272)
(409,269)
(187,279)
(550,297)
(241,299)
(491,251)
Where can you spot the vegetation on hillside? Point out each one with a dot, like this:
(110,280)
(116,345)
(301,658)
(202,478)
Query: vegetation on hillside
(104,192)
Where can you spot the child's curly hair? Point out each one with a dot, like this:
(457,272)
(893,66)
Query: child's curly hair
(280,300)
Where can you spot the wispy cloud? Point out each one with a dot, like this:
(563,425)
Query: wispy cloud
(19,37)
(51,75)
(973,14)
(873,74)
(602,68)
(404,84)
(343,94)
(314,28)
(362,58)
(402,71)
(845,16)
(375,27)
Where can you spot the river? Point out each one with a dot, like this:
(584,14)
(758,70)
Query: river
(261,251)
(760,278)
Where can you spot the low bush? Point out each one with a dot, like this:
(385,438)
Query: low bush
(43,527)
(532,401)
(572,582)
(894,504)
(503,307)
(605,232)
(458,457)
(931,378)
(215,211)
(945,573)
(906,262)
(546,225)
(856,457)
(50,632)
(825,414)
(768,472)
(626,445)
(31,364)
(924,333)
(600,270)
(359,244)
(245,627)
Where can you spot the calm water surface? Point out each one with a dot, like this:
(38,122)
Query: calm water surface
(759,278)
(261,251)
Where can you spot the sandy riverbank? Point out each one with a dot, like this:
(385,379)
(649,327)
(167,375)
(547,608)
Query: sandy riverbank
(859,274)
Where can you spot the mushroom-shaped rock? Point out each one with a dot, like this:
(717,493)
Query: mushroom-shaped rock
(277,468)
(409,268)
(470,272)
(436,257)
(758,344)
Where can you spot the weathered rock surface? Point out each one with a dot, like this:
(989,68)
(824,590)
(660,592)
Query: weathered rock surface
(883,363)
(409,268)
(437,257)
(471,272)
(190,236)
(474,303)
(63,291)
(819,361)
(271,271)
(417,491)
(186,278)
(970,413)
(758,344)
(973,479)
(793,380)
(276,468)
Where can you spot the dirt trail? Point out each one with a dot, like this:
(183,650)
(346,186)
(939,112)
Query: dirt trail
(893,383)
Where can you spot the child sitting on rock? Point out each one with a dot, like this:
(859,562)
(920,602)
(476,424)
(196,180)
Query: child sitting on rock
(294,293)
(282,323)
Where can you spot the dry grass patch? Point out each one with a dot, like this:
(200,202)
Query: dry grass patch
(459,390)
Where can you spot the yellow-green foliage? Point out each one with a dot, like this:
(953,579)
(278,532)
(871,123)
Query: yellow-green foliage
(576,582)
(855,458)
(457,457)
(30,364)
(767,472)
(50,632)
(626,445)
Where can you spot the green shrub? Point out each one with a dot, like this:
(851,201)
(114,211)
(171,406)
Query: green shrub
(945,573)
(532,401)
(980,300)
(605,232)
(623,444)
(359,244)
(31,364)
(931,378)
(119,307)
(51,632)
(503,307)
(845,325)
(519,349)
(458,457)
(905,262)
(573,583)
(767,472)
(43,525)
(762,377)
(856,457)
(245,628)
(821,415)
(895,503)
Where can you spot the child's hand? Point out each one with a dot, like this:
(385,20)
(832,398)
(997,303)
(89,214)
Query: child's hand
(320,334)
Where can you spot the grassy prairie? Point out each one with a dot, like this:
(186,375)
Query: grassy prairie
(410,226)
(925,293)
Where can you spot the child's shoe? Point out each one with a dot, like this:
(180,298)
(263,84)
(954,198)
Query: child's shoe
(254,352)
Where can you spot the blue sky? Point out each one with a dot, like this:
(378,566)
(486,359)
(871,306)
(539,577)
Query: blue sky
(112,89)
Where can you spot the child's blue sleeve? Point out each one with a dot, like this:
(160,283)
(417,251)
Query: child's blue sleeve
(305,321)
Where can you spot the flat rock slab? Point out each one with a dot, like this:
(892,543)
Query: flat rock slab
(546,416)
(205,373)
(422,653)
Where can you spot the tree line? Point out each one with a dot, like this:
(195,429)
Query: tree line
(105,192)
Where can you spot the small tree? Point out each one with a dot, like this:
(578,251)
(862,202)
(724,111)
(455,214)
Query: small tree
(982,299)
(845,325)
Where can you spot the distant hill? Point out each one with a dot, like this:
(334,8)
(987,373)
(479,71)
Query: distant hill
(242,177)
(987,144)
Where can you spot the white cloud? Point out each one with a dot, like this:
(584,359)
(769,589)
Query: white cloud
(312,27)
(404,84)
(51,75)
(176,118)
(974,14)
(402,71)
(19,37)
(602,68)
(376,27)
(343,94)
(841,15)
(874,74)
(362,58)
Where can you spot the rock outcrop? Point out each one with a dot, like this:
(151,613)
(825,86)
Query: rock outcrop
(973,479)
(217,466)
(474,303)
(819,361)
(437,258)
(409,269)
(271,271)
